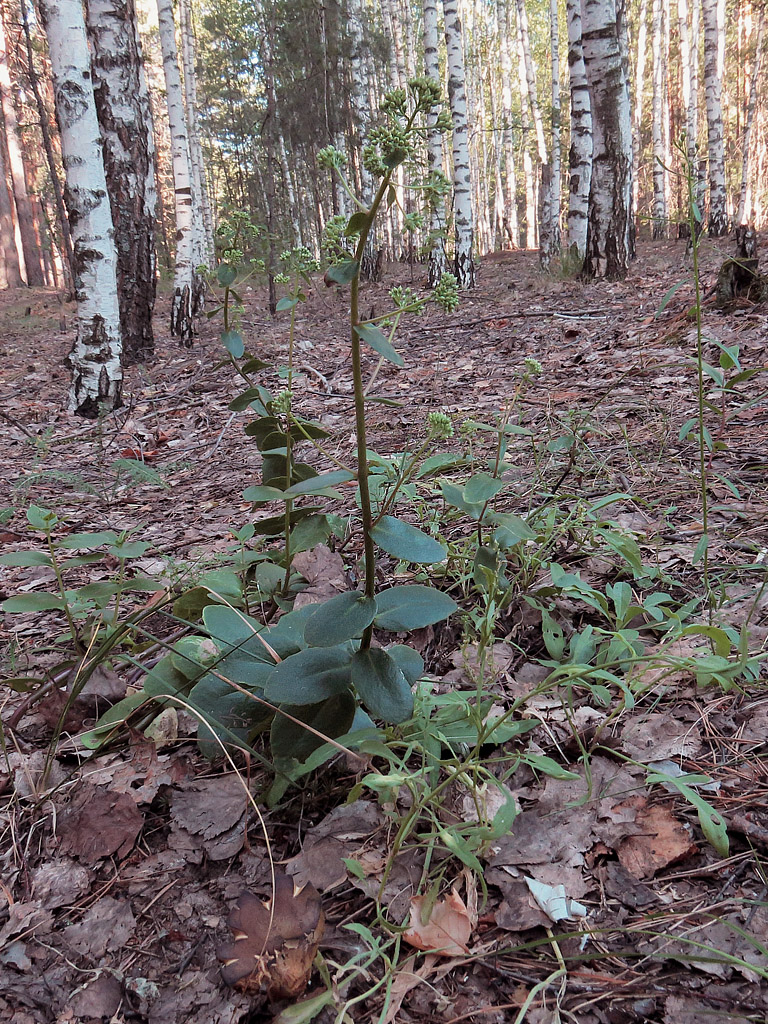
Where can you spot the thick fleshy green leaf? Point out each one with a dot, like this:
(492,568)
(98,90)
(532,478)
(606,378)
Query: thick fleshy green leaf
(309,676)
(88,540)
(356,223)
(344,617)
(401,540)
(25,558)
(410,662)
(379,342)
(331,717)
(113,718)
(481,488)
(443,460)
(511,530)
(228,715)
(309,533)
(32,603)
(454,496)
(233,343)
(342,273)
(276,524)
(381,685)
(412,607)
(320,482)
(260,495)
(226,274)
(285,303)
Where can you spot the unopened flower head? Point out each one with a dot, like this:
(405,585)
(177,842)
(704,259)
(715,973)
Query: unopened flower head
(439,425)
(533,367)
(282,402)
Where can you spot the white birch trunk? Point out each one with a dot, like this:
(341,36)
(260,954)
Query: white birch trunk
(688,68)
(529,176)
(746,213)
(463,261)
(554,190)
(186,283)
(123,110)
(95,358)
(608,233)
(203,218)
(714,32)
(580,156)
(657,127)
(438,261)
(510,182)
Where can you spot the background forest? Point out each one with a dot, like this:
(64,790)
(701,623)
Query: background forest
(383,584)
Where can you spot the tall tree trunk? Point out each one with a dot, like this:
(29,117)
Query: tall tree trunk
(689,75)
(746,213)
(510,181)
(580,155)
(203,214)
(714,33)
(554,190)
(637,116)
(122,108)
(42,113)
(95,357)
(608,233)
(463,261)
(187,284)
(30,247)
(660,157)
(529,176)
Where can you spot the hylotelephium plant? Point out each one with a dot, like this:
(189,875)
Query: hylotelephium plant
(306,676)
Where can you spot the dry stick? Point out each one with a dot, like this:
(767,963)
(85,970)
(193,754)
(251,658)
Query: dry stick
(590,314)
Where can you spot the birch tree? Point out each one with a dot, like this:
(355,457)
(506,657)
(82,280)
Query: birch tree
(745,212)
(438,261)
(660,156)
(95,357)
(203,216)
(463,261)
(714,32)
(580,155)
(188,287)
(122,106)
(608,241)
(554,191)
(510,182)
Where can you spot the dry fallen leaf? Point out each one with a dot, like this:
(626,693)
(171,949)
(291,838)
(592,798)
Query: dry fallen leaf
(663,841)
(274,942)
(447,929)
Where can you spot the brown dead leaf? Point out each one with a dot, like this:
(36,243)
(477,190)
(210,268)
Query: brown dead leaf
(663,841)
(106,926)
(345,832)
(274,942)
(212,811)
(447,928)
(98,824)
(323,570)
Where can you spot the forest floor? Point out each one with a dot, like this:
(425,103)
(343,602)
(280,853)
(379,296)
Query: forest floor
(118,871)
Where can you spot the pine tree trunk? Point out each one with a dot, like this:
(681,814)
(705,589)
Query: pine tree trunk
(637,116)
(187,285)
(30,247)
(714,34)
(580,155)
(463,261)
(9,254)
(608,233)
(122,111)
(95,357)
(58,195)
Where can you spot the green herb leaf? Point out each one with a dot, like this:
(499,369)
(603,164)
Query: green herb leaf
(401,540)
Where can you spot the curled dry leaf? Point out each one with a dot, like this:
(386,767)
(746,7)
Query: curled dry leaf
(274,942)
(447,929)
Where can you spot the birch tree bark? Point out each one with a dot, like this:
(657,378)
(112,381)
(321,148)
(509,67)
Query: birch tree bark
(202,213)
(746,213)
(608,240)
(510,183)
(660,157)
(714,33)
(438,261)
(188,287)
(463,261)
(30,248)
(95,357)
(122,106)
(554,191)
(689,73)
(580,155)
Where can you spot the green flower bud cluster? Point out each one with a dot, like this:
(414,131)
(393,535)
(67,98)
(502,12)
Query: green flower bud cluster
(468,428)
(426,92)
(299,259)
(335,243)
(282,402)
(373,163)
(446,293)
(233,256)
(406,298)
(394,102)
(330,158)
(393,143)
(439,426)
(413,221)
(532,367)
(282,278)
